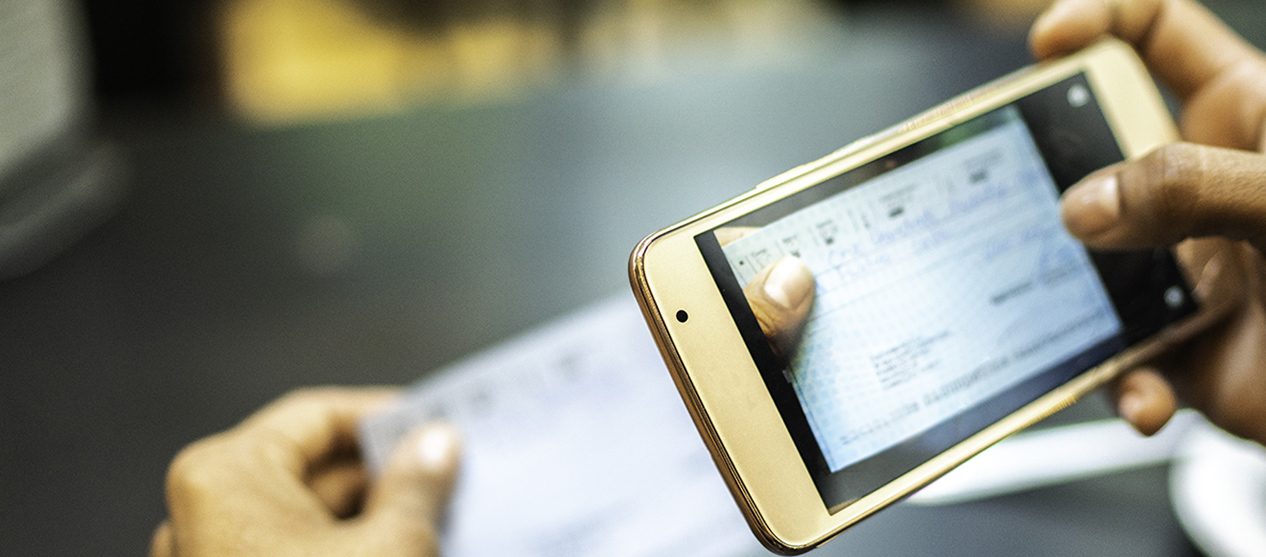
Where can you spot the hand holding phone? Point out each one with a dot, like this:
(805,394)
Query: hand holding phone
(1209,189)
(951,307)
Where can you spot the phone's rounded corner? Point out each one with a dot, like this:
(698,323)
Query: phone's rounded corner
(637,260)
(781,546)
(639,279)
(808,525)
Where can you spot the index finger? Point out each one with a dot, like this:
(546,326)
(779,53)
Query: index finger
(308,426)
(1181,41)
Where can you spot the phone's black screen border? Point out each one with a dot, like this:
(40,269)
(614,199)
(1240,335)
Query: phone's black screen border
(1073,141)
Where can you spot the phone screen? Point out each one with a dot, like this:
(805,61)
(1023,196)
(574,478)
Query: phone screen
(949,293)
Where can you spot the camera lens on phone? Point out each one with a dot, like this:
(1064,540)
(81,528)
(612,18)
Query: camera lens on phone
(1078,96)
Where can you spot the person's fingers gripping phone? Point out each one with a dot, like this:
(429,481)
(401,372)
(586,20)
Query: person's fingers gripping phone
(1206,194)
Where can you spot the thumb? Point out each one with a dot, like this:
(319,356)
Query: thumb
(1179,191)
(1145,399)
(404,506)
(780,296)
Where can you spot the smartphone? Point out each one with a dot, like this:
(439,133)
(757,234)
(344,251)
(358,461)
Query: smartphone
(952,307)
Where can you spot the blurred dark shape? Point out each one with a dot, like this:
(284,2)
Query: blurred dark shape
(152,50)
(56,183)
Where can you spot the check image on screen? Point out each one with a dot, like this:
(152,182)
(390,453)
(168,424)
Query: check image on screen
(940,284)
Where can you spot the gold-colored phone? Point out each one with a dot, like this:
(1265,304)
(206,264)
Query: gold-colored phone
(952,308)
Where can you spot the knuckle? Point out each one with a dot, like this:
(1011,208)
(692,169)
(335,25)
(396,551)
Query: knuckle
(1135,20)
(1173,174)
(193,472)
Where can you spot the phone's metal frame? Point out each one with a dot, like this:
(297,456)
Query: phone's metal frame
(724,390)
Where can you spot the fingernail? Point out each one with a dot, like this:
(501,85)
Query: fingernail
(1130,406)
(1060,12)
(1093,206)
(1056,12)
(1048,18)
(789,283)
(435,447)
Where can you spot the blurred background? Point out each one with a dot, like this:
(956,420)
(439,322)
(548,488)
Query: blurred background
(205,204)
(286,61)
